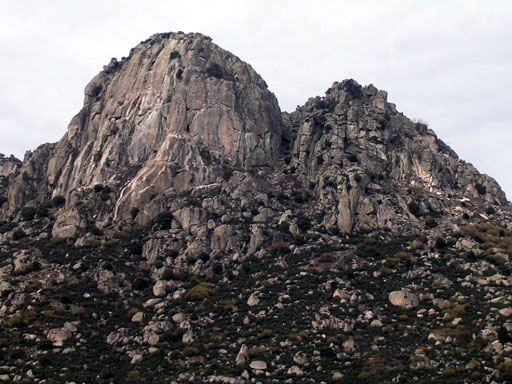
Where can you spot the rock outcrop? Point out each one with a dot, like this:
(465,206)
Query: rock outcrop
(364,158)
(180,116)
(176,113)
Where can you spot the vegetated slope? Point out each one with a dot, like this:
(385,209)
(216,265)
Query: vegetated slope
(184,230)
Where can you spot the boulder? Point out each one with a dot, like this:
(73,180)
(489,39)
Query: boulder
(404,299)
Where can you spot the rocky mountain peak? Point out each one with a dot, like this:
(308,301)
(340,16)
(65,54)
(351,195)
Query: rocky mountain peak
(175,113)
(180,113)
(185,230)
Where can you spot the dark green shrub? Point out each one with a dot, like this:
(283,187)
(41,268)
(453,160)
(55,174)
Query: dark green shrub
(199,292)
(3,200)
(431,223)
(41,211)
(6,227)
(174,55)
(353,158)
(94,230)
(279,249)
(441,243)
(164,220)
(227,173)
(134,212)
(108,266)
(414,208)
(172,253)
(28,213)
(490,211)
(481,189)
(141,283)
(58,201)
(504,336)
(98,188)
(135,248)
(19,234)
(215,70)
(217,268)
(304,223)
(190,351)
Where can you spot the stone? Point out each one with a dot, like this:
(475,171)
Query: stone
(404,299)
(376,323)
(153,339)
(160,288)
(295,371)
(349,345)
(138,317)
(179,317)
(58,335)
(221,239)
(253,300)
(137,358)
(68,224)
(242,356)
(258,365)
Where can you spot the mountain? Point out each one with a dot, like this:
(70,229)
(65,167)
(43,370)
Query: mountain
(185,229)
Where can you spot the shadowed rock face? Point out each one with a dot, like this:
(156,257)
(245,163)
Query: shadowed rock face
(359,151)
(180,115)
(168,117)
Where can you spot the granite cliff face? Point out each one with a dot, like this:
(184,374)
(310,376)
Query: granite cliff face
(180,113)
(172,115)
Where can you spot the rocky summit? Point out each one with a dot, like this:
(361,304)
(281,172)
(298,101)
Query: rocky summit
(185,229)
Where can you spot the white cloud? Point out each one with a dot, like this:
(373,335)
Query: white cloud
(445,62)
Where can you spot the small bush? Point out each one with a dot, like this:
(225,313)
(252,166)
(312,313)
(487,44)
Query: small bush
(98,188)
(28,213)
(94,230)
(141,283)
(174,55)
(199,292)
(215,70)
(190,351)
(265,334)
(164,220)
(257,351)
(3,200)
(414,208)
(18,235)
(304,223)
(441,243)
(279,249)
(134,212)
(135,248)
(6,227)
(353,158)
(481,189)
(58,201)
(431,223)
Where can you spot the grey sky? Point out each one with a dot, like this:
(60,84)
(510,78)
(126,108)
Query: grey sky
(445,62)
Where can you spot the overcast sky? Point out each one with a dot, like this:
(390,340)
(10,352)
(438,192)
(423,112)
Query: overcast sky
(448,63)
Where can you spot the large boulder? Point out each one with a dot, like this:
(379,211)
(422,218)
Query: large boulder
(404,299)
